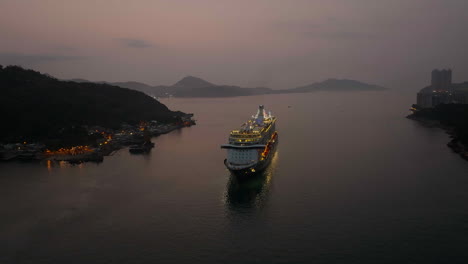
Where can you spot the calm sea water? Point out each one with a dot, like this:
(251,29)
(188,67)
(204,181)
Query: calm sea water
(353,181)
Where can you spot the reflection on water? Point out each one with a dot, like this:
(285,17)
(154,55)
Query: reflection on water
(49,165)
(340,188)
(53,164)
(252,192)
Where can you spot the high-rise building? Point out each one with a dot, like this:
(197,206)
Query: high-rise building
(440,91)
(441,80)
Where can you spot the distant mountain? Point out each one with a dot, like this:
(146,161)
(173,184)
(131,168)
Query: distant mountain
(39,106)
(220,91)
(336,85)
(78,80)
(190,82)
(191,86)
(196,87)
(142,87)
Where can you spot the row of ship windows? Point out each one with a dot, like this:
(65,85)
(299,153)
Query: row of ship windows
(243,154)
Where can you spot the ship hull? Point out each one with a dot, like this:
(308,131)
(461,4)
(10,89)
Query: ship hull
(254,169)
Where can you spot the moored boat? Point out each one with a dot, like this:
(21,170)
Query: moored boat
(142,148)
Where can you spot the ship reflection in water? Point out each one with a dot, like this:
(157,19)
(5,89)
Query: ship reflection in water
(251,192)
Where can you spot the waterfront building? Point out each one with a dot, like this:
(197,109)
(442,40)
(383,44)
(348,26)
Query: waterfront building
(460,97)
(441,91)
(424,99)
(441,80)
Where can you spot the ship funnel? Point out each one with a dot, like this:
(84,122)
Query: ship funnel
(260,115)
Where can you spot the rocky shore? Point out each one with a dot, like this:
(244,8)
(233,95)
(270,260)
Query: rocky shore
(455,143)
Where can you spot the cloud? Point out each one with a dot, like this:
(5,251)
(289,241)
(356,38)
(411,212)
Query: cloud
(330,29)
(135,43)
(20,58)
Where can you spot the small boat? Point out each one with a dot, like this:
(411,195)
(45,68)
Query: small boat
(26,156)
(142,148)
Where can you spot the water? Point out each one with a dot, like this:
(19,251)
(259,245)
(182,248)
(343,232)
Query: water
(353,181)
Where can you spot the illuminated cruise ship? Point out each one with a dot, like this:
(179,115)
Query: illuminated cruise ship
(251,148)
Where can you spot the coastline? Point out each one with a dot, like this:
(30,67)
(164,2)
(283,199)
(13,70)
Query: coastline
(455,144)
(37,152)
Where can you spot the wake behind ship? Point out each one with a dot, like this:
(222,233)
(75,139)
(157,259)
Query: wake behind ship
(251,148)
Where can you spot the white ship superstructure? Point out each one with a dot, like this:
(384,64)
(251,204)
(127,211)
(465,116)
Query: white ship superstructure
(251,147)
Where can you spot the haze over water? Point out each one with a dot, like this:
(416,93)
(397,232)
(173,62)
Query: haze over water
(262,43)
(353,181)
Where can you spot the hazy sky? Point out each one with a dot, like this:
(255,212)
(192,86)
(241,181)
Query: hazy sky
(275,43)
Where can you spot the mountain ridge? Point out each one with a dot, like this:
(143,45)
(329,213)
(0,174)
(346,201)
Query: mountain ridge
(192,82)
(191,86)
(333,84)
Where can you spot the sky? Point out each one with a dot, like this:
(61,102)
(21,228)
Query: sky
(272,43)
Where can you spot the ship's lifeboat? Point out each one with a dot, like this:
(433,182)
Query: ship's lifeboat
(267,149)
(274,136)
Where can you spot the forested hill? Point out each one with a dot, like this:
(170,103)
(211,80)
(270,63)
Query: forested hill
(35,105)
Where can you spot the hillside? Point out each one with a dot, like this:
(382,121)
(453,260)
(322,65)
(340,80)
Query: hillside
(336,85)
(138,86)
(191,82)
(36,106)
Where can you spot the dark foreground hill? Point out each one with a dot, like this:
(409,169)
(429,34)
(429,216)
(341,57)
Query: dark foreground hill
(36,106)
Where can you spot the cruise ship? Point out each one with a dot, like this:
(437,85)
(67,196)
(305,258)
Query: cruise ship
(251,148)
